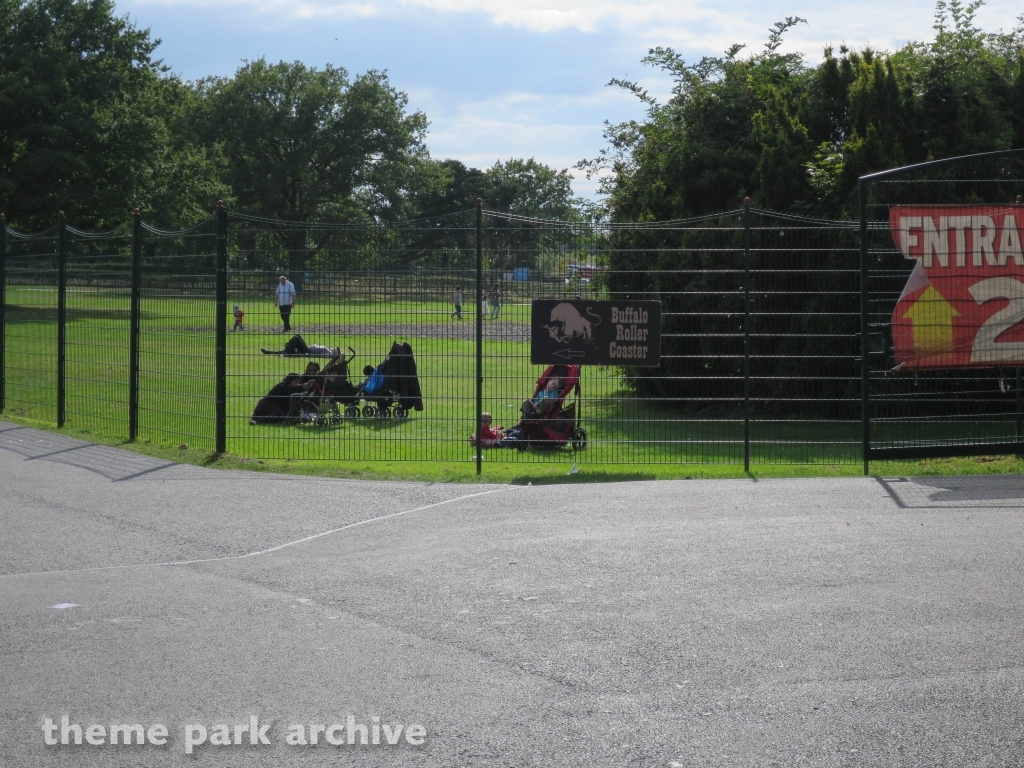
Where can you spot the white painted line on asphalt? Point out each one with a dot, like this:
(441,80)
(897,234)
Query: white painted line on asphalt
(278,548)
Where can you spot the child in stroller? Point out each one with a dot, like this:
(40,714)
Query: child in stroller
(390,389)
(547,419)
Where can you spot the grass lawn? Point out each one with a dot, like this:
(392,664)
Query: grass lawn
(628,437)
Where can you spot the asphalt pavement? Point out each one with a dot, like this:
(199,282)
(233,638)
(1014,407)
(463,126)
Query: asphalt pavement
(803,622)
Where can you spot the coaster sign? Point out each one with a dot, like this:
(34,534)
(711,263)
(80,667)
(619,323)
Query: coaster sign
(585,332)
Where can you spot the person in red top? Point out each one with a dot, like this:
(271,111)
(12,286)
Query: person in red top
(239,314)
(491,437)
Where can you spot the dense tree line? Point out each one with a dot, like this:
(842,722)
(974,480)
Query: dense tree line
(91,123)
(795,137)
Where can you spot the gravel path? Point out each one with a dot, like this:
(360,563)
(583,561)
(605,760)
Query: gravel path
(498,330)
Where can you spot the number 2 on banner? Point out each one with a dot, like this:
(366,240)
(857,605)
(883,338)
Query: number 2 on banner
(985,348)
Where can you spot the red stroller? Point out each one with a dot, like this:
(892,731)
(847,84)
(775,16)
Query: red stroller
(560,424)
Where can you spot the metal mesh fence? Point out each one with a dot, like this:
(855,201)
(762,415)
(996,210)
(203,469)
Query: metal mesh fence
(30,325)
(177,336)
(804,338)
(769,381)
(946,407)
(362,291)
(97,314)
(181,337)
(758,339)
(686,410)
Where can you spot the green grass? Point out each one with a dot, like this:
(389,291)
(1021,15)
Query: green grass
(537,474)
(629,438)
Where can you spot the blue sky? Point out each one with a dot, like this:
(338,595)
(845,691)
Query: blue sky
(501,79)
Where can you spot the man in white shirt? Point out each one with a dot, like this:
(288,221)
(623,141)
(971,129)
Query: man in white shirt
(284,298)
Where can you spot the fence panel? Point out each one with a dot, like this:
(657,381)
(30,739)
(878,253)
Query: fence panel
(948,409)
(763,328)
(30,341)
(97,326)
(361,289)
(688,409)
(177,336)
(779,288)
(804,340)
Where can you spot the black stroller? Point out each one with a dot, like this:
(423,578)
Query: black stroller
(390,389)
(309,399)
(323,406)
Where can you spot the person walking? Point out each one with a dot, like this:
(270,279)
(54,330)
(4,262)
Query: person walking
(457,301)
(483,303)
(284,300)
(494,296)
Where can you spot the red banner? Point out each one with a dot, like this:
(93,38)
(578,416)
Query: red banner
(963,306)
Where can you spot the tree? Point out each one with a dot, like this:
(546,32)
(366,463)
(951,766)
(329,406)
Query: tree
(519,186)
(302,143)
(89,121)
(460,187)
(793,138)
(66,69)
(796,138)
(529,188)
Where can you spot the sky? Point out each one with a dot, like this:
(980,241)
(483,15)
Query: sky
(528,78)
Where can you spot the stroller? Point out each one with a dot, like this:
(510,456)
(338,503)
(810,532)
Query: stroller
(322,405)
(390,389)
(560,425)
(292,403)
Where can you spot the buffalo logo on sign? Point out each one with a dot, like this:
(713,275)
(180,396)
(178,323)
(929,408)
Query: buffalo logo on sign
(596,332)
(963,305)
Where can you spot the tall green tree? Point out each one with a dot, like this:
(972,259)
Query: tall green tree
(87,120)
(68,71)
(459,188)
(796,137)
(524,187)
(521,186)
(303,143)
(529,188)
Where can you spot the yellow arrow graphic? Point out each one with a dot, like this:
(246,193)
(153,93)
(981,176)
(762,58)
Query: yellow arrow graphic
(932,317)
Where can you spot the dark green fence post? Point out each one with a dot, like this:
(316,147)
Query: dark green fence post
(1020,392)
(865,373)
(746,334)
(1020,409)
(479,332)
(3,309)
(133,330)
(62,291)
(222,338)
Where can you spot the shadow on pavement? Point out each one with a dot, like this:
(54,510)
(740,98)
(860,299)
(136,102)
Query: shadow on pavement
(937,492)
(111,463)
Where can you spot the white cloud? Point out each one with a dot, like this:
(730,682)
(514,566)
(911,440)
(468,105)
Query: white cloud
(550,56)
(548,128)
(700,24)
